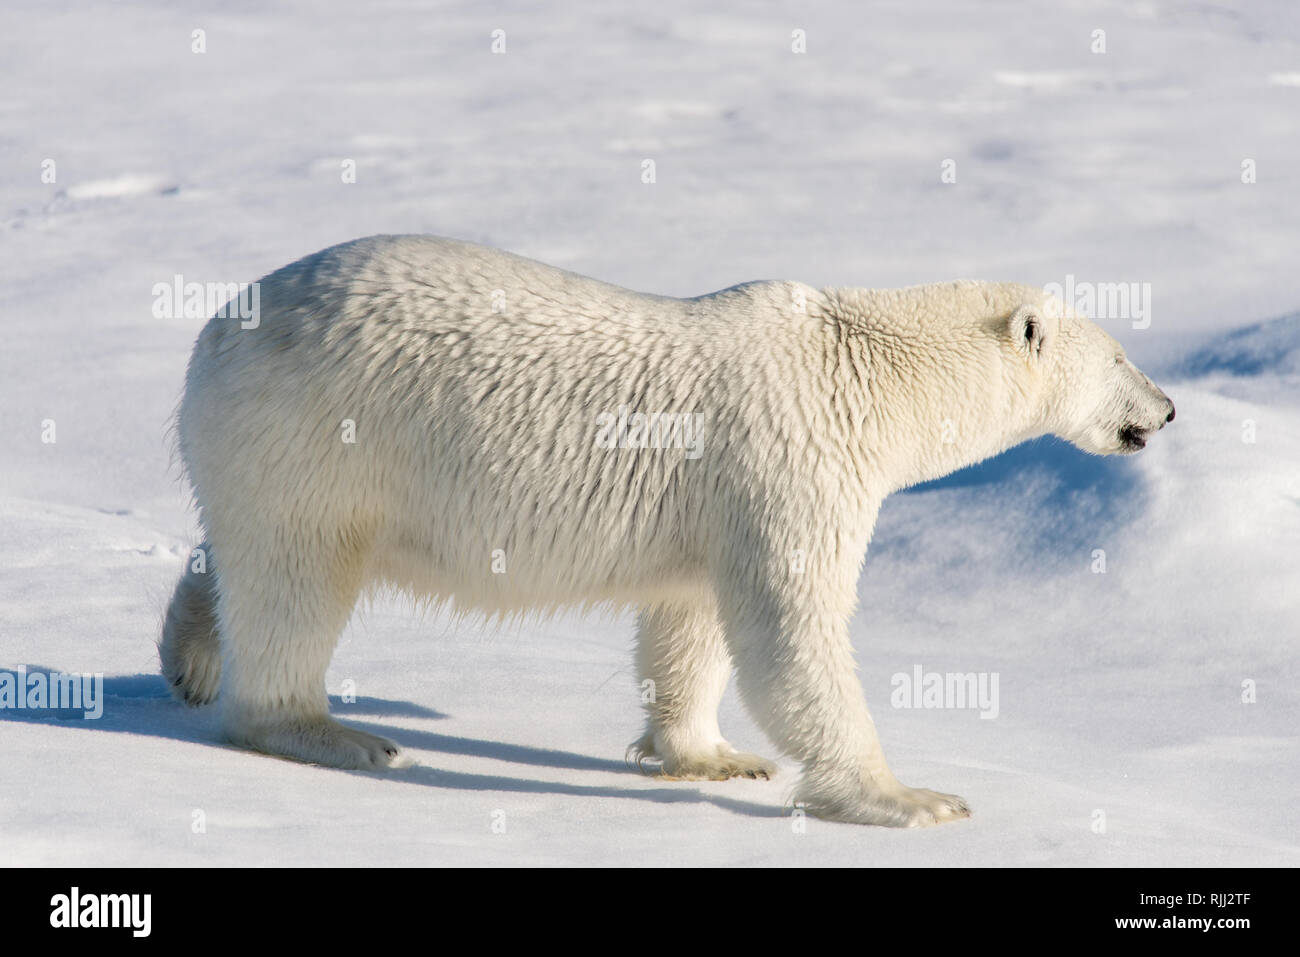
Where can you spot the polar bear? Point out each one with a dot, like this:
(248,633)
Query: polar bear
(481,428)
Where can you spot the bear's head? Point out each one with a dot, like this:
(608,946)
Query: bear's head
(1087,392)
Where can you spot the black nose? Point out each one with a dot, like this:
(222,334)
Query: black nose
(1170,416)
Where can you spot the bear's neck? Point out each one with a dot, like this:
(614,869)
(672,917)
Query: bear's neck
(932,408)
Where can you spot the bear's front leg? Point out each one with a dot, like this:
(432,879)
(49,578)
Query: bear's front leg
(684,665)
(787,628)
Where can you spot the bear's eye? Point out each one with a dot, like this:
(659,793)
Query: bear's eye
(1033,334)
(1025,331)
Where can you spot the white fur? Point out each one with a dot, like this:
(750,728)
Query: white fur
(476,431)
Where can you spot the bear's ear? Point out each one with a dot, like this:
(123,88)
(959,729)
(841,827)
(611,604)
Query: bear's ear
(1028,331)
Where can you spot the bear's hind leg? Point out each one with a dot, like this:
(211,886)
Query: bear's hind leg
(682,652)
(285,596)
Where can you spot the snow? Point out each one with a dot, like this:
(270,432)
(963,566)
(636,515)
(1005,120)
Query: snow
(1121,693)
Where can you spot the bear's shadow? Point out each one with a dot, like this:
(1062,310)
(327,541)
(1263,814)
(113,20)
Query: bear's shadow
(141,704)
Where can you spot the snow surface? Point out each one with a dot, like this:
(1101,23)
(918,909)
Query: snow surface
(1120,693)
